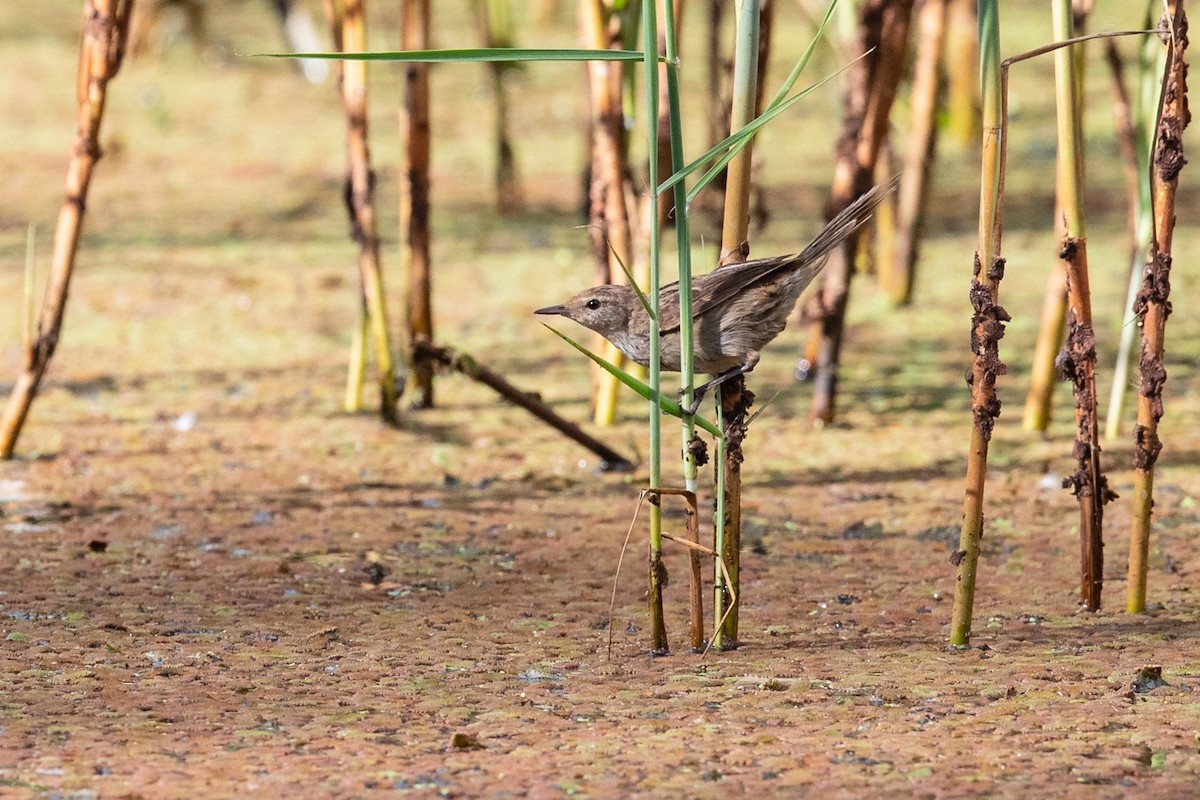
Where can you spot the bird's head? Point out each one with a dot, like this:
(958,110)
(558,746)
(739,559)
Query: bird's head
(605,309)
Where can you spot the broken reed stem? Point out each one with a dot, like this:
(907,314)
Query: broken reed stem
(870,90)
(101,50)
(1077,361)
(360,206)
(1153,303)
(464,364)
(657,572)
(927,92)
(987,322)
(695,550)
(610,229)
(414,194)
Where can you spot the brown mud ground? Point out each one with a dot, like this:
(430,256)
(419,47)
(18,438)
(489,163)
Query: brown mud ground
(213,583)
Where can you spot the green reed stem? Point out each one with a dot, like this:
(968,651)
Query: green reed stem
(650,79)
(687,355)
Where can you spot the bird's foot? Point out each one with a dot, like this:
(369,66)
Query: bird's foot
(697,396)
(700,391)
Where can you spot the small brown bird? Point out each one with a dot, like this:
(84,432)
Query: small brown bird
(737,309)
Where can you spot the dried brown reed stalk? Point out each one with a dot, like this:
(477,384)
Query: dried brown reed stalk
(101,51)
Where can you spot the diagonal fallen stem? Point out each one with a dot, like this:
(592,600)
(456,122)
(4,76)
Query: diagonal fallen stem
(531,402)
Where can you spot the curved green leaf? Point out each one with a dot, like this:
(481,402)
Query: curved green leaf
(472,55)
(666,403)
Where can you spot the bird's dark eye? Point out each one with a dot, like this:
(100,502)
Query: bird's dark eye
(592,304)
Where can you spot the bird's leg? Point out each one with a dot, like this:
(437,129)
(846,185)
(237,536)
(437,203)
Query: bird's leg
(698,393)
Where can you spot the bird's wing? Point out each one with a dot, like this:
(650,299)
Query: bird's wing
(668,308)
(726,283)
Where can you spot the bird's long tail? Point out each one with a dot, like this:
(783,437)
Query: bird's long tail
(847,222)
(730,281)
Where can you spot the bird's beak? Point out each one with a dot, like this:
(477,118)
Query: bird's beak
(550,310)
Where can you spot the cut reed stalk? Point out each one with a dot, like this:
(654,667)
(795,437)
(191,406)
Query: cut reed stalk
(414,194)
(735,401)
(1153,304)
(696,596)
(101,51)
(359,195)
